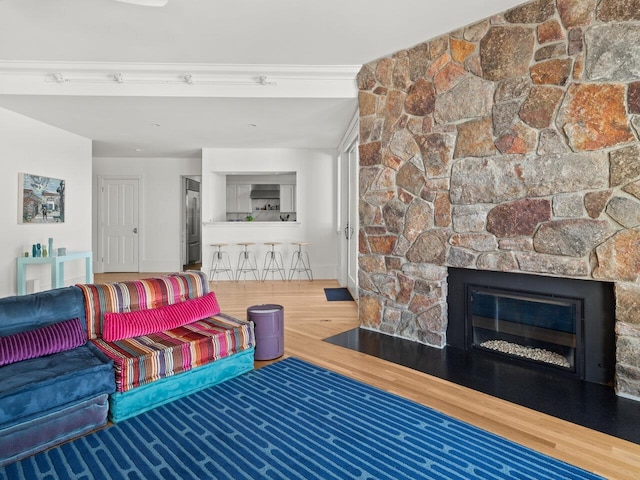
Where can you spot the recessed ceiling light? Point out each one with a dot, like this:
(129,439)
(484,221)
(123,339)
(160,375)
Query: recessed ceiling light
(155,124)
(138,149)
(252,125)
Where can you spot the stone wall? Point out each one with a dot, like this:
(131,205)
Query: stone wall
(508,145)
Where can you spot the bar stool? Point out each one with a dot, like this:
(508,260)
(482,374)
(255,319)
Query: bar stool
(246,261)
(220,262)
(300,261)
(273,262)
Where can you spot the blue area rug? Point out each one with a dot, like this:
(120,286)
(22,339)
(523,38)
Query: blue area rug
(291,420)
(337,294)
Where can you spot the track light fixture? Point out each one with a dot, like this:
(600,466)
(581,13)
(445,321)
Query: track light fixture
(134,77)
(146,3)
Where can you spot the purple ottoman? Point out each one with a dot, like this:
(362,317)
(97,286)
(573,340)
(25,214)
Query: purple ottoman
(268,320)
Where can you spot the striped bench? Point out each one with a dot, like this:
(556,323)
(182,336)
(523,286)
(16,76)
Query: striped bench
(160,366)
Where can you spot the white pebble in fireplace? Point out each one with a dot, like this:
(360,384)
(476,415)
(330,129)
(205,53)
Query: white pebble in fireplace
(523,351)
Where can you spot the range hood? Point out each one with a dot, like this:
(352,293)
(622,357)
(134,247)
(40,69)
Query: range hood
(265,191)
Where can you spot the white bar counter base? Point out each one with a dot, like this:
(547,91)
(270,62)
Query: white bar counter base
(57,268)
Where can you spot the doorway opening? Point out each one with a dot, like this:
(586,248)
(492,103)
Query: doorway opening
(191,229)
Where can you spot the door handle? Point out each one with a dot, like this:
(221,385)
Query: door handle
(348,232)
(135,230)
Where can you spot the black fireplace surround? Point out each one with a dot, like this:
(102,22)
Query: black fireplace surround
(571,320)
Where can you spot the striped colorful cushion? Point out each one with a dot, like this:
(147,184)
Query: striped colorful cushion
(38,342)
(137,295)
(142,322)
(141,360)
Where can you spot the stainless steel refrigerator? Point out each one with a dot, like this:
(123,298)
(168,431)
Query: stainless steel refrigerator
(193,230)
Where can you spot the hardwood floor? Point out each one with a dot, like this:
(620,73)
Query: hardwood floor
(309,319)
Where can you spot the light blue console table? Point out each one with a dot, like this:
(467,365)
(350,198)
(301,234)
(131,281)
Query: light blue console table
(57,268)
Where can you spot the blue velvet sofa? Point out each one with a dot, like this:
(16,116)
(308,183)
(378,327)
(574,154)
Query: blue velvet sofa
(53,386)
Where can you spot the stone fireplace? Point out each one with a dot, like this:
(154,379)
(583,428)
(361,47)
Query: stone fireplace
(510,145)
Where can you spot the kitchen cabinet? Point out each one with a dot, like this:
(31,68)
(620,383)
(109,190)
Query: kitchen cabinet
(232,198)
(244,198)
(238,198)
(288,198)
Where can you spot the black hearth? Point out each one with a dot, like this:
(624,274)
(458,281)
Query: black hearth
(584,403)
(560,325)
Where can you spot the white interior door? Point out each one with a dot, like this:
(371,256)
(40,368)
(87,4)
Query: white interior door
(351,230)
(119,224)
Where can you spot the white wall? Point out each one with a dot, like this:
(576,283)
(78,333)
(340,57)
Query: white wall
(315,205)
(29,146)
(160,206)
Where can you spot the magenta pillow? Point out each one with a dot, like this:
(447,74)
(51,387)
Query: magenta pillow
(117,326)
(42,341)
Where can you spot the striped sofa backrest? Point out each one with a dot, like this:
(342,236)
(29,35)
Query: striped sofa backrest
(129,296)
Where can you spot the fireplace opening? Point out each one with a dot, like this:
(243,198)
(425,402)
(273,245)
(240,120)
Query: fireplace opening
(563,326)
(529,327)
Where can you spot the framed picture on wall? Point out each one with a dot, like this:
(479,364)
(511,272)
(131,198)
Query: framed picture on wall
(40,199)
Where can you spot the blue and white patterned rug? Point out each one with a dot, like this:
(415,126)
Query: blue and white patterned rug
(291,420)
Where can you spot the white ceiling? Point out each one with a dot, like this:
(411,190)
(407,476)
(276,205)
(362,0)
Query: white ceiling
(50,36)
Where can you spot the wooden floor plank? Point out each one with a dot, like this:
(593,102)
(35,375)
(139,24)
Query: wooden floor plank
(309,318)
